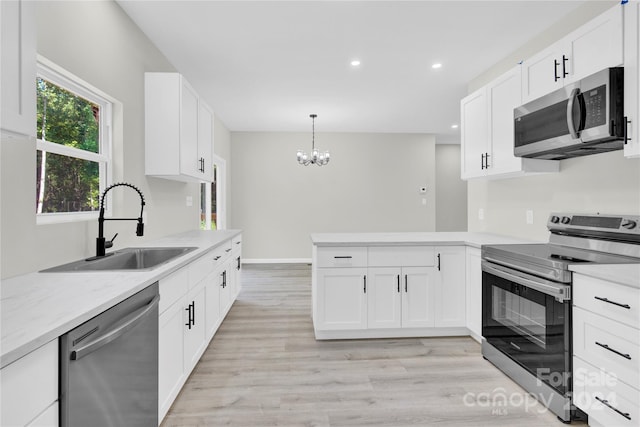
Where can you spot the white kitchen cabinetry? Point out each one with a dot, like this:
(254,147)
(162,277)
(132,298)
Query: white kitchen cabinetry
(341,299)
(400,297)
(450,287)
(487,134)
(191,311)
(474,292)
(388,291)
(178,130)
(606,349)
(632,77)
(236,254)
(596,45)
(18,66)
(29,388)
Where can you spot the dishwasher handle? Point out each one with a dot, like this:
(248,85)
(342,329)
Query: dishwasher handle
(103,340)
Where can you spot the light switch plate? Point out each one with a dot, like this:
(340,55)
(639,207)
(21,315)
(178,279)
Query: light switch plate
(189,201)
(481,214)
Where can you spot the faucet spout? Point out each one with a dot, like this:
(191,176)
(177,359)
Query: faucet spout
(101,242)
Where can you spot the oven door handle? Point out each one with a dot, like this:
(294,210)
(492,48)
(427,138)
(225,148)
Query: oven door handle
(560,292)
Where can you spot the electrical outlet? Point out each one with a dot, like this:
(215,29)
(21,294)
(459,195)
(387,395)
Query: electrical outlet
(529,216)
(424,202)
(481,214)
(189,201)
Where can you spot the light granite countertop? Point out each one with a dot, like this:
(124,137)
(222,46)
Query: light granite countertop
(626,274)
(475,240)
(36,308)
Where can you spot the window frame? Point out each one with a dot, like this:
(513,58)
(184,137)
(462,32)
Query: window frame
(57,75)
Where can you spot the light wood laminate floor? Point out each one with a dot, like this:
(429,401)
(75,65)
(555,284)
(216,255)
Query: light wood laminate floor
(265,368)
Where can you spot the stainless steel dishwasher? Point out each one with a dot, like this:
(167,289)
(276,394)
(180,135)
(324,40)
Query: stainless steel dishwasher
(109,366)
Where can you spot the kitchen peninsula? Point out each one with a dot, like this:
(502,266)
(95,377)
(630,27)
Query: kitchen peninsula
(381,285)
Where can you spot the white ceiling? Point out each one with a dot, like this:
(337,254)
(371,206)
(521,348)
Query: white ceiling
(266,65)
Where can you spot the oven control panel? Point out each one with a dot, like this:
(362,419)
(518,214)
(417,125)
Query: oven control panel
(619,224)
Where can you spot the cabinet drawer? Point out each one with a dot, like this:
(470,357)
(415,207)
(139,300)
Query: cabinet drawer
(609,345)
(401,256)
(236,243)
(603,397)
(199,269)
(29,385)
(172,288)
(612,300)
(342,257)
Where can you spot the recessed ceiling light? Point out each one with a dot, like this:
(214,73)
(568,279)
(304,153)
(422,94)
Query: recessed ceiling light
(436,65)
(454,126)
(355,63)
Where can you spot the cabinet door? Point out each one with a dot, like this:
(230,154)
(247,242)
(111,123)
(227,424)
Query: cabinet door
(450,308)
(18,66)
(384,302)
(504,94)
(632,77)
(473,133)
(225,293)
(342,298)
(418,298)
(205,141)
(189,160)
(212,304)
(542,73)
(194,328)
(170,357)
(474,292)
(595,46)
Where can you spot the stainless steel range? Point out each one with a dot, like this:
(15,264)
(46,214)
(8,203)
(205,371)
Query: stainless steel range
(526,300)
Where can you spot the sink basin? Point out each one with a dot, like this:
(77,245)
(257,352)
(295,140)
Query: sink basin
(135,259)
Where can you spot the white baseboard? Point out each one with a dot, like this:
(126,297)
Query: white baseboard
(276,261)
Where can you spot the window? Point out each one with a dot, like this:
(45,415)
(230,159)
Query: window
(212,199)
(73,155)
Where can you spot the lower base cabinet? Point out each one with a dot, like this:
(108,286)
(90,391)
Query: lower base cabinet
(193,302)
(395,291)
(473,297)
(29,389)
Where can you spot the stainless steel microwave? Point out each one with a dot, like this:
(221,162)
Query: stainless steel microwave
(582,118)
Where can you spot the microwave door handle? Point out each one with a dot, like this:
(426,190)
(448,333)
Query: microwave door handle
(570,124)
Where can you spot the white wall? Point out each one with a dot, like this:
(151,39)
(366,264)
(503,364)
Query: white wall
(99,43)
(451,191)
(605,183)
(371,184)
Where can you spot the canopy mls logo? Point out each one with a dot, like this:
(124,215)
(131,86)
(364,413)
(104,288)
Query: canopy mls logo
(500,402)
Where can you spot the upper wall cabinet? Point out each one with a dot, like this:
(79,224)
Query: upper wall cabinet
(178,130)
(487,132)
(594,46)
(632,78)
(18,66)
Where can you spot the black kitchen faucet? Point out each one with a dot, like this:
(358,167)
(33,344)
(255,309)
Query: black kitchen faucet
(101,242)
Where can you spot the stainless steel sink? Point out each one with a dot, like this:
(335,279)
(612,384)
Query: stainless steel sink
(135,259)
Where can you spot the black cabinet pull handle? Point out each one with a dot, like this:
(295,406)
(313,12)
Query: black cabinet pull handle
(343,257)
(606,347)
(608,405)
(626,130)
(486,161)
(438,262)
(406,280)
(627,306)
(193,313)
(398,283)
(564,68)
(482,161)
(555,71)
(217,258)
(224,279)
(228,250)
(365,284)
(188,324)
(238,267)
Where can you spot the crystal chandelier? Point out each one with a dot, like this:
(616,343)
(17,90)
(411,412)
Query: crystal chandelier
(317,157)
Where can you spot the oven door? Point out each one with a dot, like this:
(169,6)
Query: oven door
(528,319)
